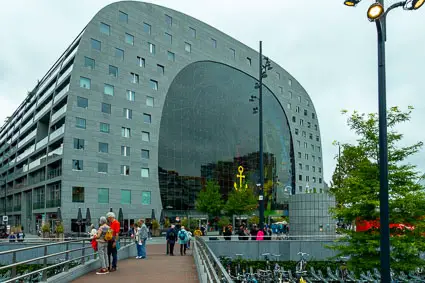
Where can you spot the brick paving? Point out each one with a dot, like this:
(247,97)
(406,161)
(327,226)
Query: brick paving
(157,268)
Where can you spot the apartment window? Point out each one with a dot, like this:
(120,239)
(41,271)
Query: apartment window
(160,69)
(300,188)
(304,134)
(102,195)
(103,147)
(308,125)
(80,123)
(77,165)
(125,150)
(123,17)
(169,20)
(151,48)
(171,56)
(96,45)
(294,119)
(290,94)
(299,154)
(125,170)
(300,166)
(301,122)
(89,63)
(131,95)
(145,153)
(320,180)
(299,143)
(306,146)
(248,61)
(296,131)
(113,71)
(149,101)
(106,108)
(102,167)
(317,138)
(313,168)
(108,89)
(320,169)
(192,32)
(312,147)
(168,38)
(125,132)
(105,29)
(289,82)
(307,178)
(134,78)
(320,159)
(315,127)
(297,109)
(318,148)
(129,39)
(147,28)
(141,61)
(154,84)
(307,102)
(310,136)
(146,136)
(78,143)
(214,43)
(313,116)
(299,98)
(313,158)
(305,112)
(104,127)
(146,198)
(125,197)
(145,172)
(85,82)
(278,75)
(288,105)
(306,156)
(300,177)
(119,53)
(82,102)
(147,118)
(128,113)
(307,167)
(77,194)
(232,53)
(187,47)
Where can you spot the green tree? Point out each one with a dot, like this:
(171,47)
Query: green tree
(209,199)
(356,189)
(241,202)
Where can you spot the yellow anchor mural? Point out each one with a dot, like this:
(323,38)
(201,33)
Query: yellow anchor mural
(240,176)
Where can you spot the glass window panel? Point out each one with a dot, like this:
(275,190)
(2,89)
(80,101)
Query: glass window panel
(146,136)
(123,17)
(96,45)
(151,48)
(108,89)
(145,172)
(103,195)
(102,167)
(104,127)
(85,82)
(113,71)
(119,53)
(80,123)
(89,63)
(82,102)
(146,198)
(147,118)
(187,47)
(145,153)
(154,84)
(214,42)
(77,164)
(125,150)
(168,38)
(147,28)
(129,38)
(77,194)
(106,108)
(125,197)
(78,143)
(149,101)
(105,29)
(170,56)
(161,69)
(131,95)
(141,61)
(192,32)
(168,20)
(103,147)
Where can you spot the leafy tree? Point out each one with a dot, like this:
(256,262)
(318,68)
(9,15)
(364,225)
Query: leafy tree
(241,201)
(209,199)
(356,189)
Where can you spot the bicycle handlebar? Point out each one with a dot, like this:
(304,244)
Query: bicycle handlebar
(302,254)
(264,254)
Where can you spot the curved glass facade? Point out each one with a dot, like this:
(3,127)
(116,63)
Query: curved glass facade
(208,129)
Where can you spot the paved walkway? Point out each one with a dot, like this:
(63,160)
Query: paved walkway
(157,268)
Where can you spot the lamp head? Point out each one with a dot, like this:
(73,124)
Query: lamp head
(414,4)
(351,3)
(375,11)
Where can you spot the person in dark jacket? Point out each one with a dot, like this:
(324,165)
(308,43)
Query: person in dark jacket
(171,238)
(254,232)
(267,233)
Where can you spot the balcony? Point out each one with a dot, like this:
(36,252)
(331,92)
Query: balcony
(53,173)
(17,208)
(55,153)
(58,113)
(26,153)
(15,136)
(9,208)
(53,203)
(27,138)
(57,133)
(20,185)
(10,177)
(38,205)
(46,94)
(29,112)
(61,94)
(42,143)
(37,162)
(64,75)
(36,179)
(26,126)
(43,110)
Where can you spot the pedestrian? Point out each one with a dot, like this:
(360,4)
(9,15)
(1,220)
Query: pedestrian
(93,231)
(241,233)
(183,238)
(114,244)
(197,232)
(102,245)
(227,233)
(171,238)
(21,235)
(143,236)
(135,237)
(189,237)
(260,235)
(267,233)
(254,232)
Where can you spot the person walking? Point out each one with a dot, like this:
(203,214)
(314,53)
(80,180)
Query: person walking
(183,238)
(135,236)
(143,236)
(197,232)
(260,235)
(102,245)
(171,238)
(114,244)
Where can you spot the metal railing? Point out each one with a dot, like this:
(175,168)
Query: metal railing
(209,266)
(63,264)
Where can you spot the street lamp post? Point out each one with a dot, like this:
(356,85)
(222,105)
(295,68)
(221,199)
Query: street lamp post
(262,74)
(378,14)
(5,195)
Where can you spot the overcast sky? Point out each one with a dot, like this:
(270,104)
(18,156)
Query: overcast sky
(328,47)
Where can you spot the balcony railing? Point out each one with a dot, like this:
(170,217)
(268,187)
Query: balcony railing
(20,185)
(43,110)
(10,177)
(64,75)
(59,113)
(42,143)
(53,173)
(26,126)
(17,208)
(61,94)
(38,205)
(36,179)
(29,112)
(55,153)
(37,162)
(53,203)
(15,136)
(57,133)
(46,94)
(25,168)
(27,138)
(9,208)
(26,153)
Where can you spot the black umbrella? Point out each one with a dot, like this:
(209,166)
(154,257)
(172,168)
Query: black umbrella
(120,217)
(79,221)
(88,217)
(162,218)
(110,209)
(59,215)
(153,214)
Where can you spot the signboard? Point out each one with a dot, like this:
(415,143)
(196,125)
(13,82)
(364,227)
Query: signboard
(5,218)
(260,197)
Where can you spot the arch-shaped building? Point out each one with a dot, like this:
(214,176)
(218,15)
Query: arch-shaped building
(144,106)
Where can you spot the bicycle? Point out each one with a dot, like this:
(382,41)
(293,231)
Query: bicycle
(266,259)
(302,264)
(238,266)
(343,268)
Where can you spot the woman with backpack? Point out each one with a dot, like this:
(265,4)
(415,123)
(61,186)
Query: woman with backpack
(102,244)
(183,238)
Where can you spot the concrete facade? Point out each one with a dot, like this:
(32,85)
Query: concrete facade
(37,144)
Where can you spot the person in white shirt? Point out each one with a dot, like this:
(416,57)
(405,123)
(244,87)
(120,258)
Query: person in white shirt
(93,231)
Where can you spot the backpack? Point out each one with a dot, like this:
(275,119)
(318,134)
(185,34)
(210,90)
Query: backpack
(109,235)
(182,236)
(171,235)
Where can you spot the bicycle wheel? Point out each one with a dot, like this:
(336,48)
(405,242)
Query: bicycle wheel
(299,267)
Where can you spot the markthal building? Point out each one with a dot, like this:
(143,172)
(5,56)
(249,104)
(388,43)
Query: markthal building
(143,108)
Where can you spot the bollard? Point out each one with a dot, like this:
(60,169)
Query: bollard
(67,257)
(13,275)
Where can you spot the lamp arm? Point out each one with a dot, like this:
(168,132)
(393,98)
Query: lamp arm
(393,6)
(381,24)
